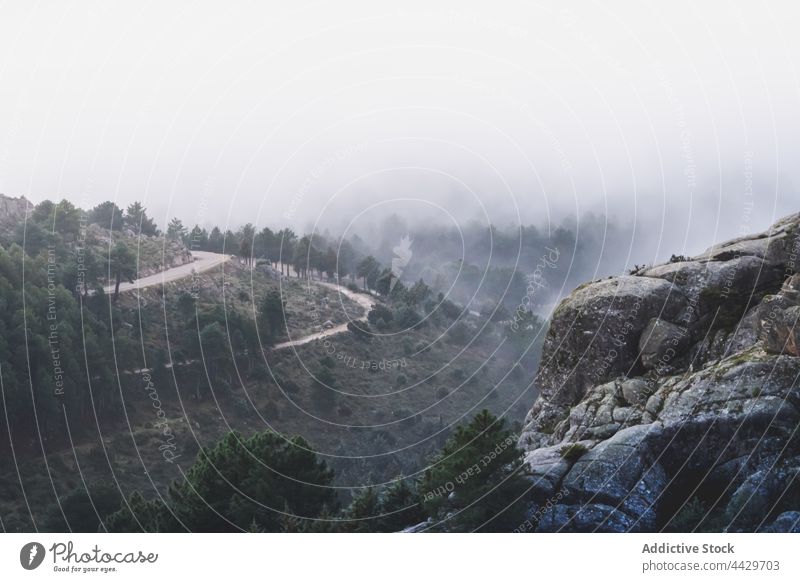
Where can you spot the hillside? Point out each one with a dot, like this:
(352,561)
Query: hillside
(375,405)
(670,397)
(75,236)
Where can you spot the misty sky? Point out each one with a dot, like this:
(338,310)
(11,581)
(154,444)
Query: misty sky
(681,118)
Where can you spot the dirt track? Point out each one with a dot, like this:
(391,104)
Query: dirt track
(203,261)
(365,301)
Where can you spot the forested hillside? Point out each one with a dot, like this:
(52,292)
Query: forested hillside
(120,390)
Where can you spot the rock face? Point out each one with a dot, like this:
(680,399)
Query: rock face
(13,212)
(670,398)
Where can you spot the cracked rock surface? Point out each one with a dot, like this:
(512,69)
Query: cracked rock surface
(670,398)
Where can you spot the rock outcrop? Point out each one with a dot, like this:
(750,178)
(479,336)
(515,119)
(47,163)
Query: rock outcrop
(669,399)
(13,212)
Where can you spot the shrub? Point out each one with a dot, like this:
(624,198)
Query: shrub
(573,451)
(378,312)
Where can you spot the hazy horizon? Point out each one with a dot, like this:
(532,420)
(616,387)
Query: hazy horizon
(330,117)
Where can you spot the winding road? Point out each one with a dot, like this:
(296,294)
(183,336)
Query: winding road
(204,260)
(365,301)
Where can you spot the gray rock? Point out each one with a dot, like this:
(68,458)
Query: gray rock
(754,499)
(786,522)
(781,332)
(724,413)
(778,319)
(593,337)
(636,390)
(661,343)
(547,467)
(619,473)
(594,517)
(627,415)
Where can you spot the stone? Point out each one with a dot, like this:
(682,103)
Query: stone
(724,411)
(636,391)
(661,343)
(786,522)
(754,499)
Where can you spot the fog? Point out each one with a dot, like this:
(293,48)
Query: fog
(676,121)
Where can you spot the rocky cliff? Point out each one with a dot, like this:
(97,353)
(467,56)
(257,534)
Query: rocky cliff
(13,211)
(669,399)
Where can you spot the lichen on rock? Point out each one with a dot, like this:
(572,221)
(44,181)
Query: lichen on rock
(682,383)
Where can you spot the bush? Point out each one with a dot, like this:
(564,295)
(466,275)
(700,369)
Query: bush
(378,312)
(573,451)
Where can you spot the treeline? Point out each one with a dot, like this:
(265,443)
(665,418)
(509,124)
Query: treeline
(474,265)
(271,483)
(304,256)
(475,262)
(63,225)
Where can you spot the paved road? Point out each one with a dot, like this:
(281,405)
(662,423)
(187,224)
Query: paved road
(203,261)
(365,301)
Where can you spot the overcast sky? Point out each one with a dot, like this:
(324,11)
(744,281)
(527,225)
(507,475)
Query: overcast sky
(680,117)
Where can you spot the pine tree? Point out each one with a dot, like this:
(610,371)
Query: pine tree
(475,481)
